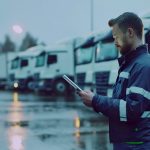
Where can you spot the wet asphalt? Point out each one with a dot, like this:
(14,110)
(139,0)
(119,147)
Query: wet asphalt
(30,121)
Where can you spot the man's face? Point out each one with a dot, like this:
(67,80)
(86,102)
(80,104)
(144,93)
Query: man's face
(121,39)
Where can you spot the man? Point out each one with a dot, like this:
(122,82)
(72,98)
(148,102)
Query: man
(129,108)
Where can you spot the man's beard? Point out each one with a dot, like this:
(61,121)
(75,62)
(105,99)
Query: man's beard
(126,48)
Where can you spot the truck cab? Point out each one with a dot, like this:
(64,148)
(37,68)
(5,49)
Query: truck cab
(101,54)
(52,64)
(22,66)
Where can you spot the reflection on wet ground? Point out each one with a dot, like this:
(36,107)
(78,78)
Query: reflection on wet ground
(32,122)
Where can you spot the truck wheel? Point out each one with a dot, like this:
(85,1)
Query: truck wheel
(60,87)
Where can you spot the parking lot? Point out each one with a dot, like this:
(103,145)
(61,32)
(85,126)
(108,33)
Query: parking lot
(31,121)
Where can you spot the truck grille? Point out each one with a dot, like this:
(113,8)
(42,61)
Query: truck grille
(81,79)
(102,79)
(12,77)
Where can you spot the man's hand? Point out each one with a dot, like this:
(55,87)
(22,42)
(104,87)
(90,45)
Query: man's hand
(86,97)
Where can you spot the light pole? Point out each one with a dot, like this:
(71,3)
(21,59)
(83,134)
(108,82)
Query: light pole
(92,15)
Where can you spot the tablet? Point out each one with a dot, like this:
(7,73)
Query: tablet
(72,83)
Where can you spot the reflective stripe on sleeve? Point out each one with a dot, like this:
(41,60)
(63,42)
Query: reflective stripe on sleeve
(138,90)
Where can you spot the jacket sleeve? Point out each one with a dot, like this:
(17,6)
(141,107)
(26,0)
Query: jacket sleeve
(136,103)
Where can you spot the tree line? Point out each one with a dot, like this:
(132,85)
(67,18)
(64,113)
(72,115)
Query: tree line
(9,46)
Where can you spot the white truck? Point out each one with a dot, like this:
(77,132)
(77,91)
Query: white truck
(51,65)
(4,65)
(94,67)
(21,68)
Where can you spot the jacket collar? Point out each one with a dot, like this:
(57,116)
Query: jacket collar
(133,54)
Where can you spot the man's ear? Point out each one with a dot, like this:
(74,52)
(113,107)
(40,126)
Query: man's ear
(130,32)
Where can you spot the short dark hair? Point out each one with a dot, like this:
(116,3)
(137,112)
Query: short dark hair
(126,20)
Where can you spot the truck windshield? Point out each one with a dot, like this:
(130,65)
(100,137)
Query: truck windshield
(40,60)
(84,55)
(15,64)
(106,51)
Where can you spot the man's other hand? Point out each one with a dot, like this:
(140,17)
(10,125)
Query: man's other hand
(86,97)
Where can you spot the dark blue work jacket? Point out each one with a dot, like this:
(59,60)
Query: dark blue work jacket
(129,108)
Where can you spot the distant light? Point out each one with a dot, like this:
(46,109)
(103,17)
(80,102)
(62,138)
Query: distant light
(16,85)
(17,29)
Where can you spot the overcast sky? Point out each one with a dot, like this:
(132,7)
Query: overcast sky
(54,20)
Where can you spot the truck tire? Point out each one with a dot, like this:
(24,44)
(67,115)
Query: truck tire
(60,87)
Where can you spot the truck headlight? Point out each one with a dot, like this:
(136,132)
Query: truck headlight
(16,85)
